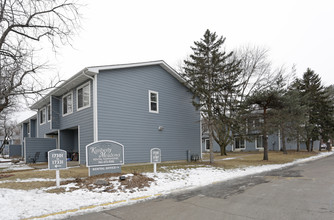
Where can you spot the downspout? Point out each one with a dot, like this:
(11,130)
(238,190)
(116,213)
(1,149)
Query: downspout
(95,123)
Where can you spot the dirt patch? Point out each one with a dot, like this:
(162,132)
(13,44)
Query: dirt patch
(5,176)
(110,183)
(136,181)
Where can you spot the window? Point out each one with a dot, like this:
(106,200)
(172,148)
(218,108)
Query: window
(239,143)
(153,102)
(49,112)
(207,144)
(259,142)
(42,116)
(83,96)
(67,104)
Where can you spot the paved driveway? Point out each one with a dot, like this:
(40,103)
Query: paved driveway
(305,191)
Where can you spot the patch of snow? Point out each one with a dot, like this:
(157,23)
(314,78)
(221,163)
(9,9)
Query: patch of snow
(11,166)
(18,204)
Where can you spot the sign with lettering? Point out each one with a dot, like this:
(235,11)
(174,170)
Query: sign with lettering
(104,153)
(155,155)
(57,159)
(104,169)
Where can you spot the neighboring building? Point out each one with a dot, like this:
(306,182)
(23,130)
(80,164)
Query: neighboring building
(253,140)
(141,105)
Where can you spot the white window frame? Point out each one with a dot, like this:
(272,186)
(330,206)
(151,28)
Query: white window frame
(48,109)
(62,102)
(77,96)
(40,116)
(149,101)
(239,147)
(256,137)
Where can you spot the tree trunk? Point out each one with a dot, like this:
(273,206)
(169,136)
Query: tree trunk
(265,138)
(265,146)
(222,150)
(311,145)
(308,145)
(211,142)
(283,141)
(298,143)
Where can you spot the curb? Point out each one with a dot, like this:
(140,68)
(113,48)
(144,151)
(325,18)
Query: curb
(92,206)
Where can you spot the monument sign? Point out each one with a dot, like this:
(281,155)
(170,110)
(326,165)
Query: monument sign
(104,157)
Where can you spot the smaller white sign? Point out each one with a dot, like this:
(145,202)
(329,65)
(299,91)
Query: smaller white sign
(57,159)
(155,155)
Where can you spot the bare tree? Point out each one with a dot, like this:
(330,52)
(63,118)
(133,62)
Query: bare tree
(256,69)
(24,24)
(7,130)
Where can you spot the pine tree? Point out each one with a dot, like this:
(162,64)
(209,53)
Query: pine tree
(319,110)
(293,115)
(206,72)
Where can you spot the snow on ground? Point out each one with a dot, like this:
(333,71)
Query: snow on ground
(20,204)
(8,165)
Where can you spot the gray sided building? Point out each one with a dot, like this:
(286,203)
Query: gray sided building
(140,105)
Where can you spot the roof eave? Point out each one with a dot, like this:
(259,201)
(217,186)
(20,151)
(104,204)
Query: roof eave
(60,89)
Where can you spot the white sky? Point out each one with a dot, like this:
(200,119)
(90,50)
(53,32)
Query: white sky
(297,32)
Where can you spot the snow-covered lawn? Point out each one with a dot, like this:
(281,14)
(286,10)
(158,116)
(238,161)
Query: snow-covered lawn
(21,204)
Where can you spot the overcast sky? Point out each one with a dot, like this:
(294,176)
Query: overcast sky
(297,32)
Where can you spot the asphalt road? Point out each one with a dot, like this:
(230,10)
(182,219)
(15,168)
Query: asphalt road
(305,191)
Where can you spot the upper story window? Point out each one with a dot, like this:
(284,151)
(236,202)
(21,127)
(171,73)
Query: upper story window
(67,104)
(83,96)
(153,101)
(42,115)
(49,112)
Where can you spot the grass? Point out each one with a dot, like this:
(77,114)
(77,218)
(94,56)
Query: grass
(240,159)
(245,159)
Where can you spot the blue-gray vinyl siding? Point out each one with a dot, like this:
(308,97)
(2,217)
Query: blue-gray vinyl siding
(15,150)
(42,145)
(123,114)
(80,121)
(216,147)
(33,126)
(55,112)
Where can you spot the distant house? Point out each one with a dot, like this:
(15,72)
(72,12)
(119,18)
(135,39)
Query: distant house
(252,140)
(140,105)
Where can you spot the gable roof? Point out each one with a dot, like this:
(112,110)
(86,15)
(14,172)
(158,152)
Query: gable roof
(89,72)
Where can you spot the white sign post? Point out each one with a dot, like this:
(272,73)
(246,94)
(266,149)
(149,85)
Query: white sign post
(155,158)
(57,159)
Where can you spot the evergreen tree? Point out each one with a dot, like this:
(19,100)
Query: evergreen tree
(293,115)
(206,72)
(319,109)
